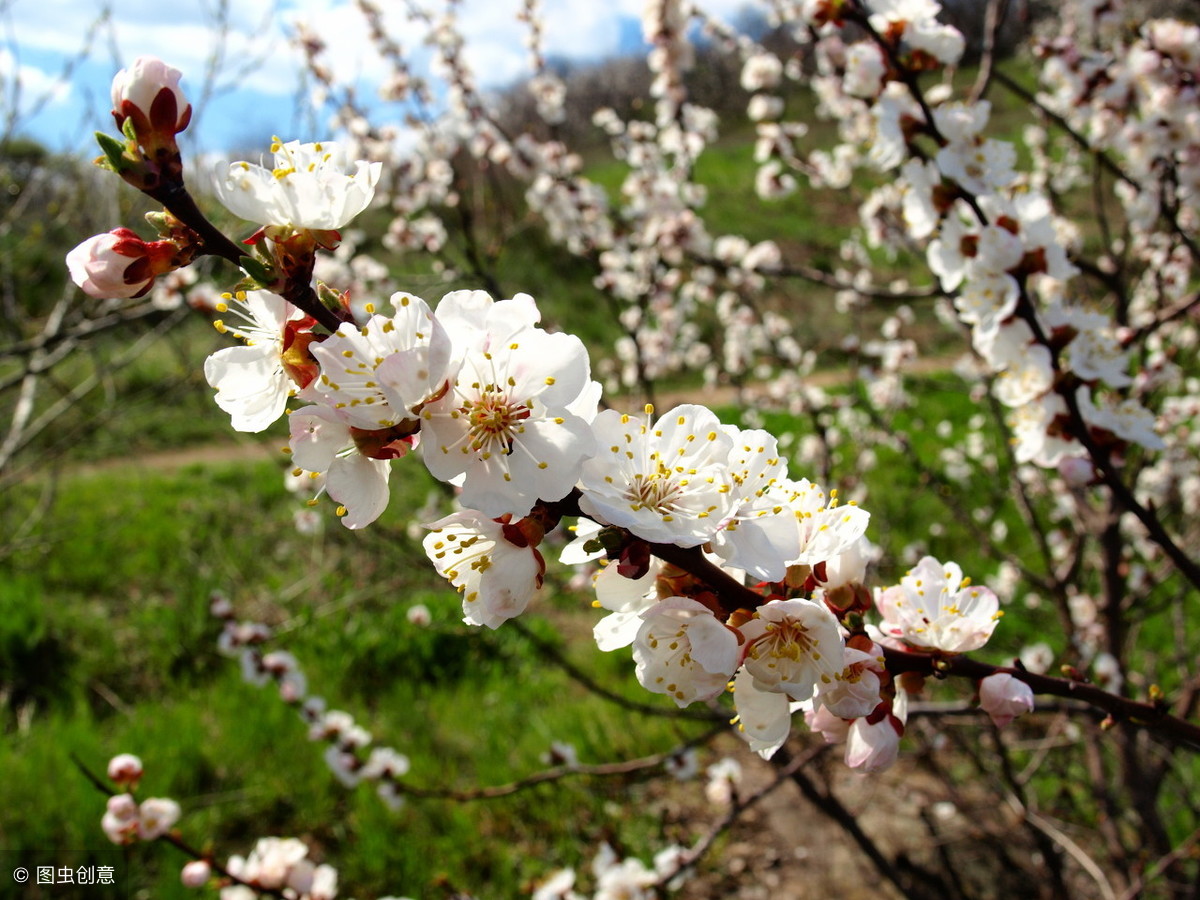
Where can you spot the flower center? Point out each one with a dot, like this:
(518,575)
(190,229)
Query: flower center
(784,640)
(494,420)
(656,490)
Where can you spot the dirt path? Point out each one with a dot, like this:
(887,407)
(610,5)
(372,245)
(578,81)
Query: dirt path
(182,457)
(256,449)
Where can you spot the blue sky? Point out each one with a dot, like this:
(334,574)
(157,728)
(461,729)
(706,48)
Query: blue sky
(255,94)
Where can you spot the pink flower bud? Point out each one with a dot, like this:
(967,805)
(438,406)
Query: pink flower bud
(832,728)
(120,821)
(119,264)
(125,769)
(148,93)
(1076,471)
(196,873)
(123,806)
(873,747)
(220,606)
(1004,698)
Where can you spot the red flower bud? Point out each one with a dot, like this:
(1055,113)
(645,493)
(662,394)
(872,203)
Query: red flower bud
(148,93)
(120,264)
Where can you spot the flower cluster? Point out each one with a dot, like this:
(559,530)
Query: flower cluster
(508,414)
(616,878)
(125,819)
(281,865)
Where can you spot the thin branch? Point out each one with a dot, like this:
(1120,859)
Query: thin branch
(1184,307)
(555,773)
(80,330)
(993,18)
(1183,850)
(829,280)
(828,804)
(689,858)
(1076,852)
(552,653)
(174,838)
(1153,716)
(1016,789)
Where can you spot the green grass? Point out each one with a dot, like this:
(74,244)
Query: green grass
(108,647)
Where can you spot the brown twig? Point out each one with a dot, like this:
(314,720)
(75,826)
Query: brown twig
(555,773)
(1153,715)
(740,804)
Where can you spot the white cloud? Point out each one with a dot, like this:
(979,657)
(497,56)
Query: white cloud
(29,85)
(258,63)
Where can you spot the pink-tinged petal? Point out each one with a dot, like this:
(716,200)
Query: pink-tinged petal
(872,748)
(318,435)
(793,646)
(832,728)
(112,265)
(250,383)
(683,651)
(617,630)
(931,607)
(1004,697)
(764,717)
(361,486)
(142,82)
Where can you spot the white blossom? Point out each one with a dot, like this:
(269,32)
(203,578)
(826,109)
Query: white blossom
(252,382)
(314,186)
(496,577)
(683,650)
(793,647)
(514,425)
(382,372)
(322,443)
(666,481)
(934,607)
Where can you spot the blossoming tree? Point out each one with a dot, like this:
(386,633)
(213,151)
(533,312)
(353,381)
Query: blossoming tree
(725,564)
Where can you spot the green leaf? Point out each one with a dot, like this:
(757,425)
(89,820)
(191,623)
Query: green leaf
(114,152)
(257,270)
